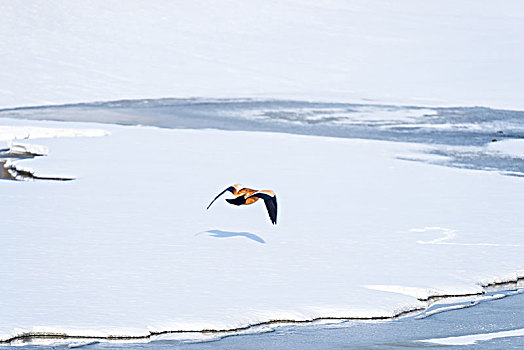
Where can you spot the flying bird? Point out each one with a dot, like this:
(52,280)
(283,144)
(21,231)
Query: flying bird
(247,196)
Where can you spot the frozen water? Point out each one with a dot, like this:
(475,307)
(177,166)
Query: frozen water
(460,137)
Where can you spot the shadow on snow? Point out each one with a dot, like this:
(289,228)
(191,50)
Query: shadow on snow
(228,234)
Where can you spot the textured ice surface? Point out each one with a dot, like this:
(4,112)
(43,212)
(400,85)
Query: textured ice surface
(458,136)
(120,250)
(464,126)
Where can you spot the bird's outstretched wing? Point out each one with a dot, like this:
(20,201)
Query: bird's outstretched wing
(230,189)
(270,199)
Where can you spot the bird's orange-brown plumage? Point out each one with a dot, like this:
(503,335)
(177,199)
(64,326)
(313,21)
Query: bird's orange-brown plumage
(246,192)
(247,196)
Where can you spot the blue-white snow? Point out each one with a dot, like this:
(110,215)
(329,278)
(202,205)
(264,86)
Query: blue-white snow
(439,52)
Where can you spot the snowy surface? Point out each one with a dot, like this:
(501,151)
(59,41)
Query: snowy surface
(423,53)
(128,247)
(512,148)
(11,132)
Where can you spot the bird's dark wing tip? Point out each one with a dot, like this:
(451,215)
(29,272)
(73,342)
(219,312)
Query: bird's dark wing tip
(230,189)
(271,206)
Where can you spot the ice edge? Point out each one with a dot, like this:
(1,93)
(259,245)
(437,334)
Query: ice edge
(497,282)
(27,174)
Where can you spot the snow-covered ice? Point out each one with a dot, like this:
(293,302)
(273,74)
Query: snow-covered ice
(11,132)
(128,248)
(512,148)
(475,338)
(438,52)
(17,148)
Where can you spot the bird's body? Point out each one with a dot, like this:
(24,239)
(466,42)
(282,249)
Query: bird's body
(247,196)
